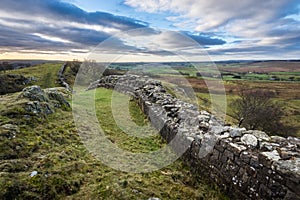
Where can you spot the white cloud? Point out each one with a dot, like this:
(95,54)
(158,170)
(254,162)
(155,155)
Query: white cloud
(211,14)
(269,24)
(52,38)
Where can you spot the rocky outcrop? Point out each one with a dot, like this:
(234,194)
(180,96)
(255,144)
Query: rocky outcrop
(42,102)
(247,164)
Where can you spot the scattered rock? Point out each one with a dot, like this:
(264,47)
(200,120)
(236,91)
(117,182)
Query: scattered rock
(9,130)
(34,173)
(11,127)
(204,125)
(218,130)
(224,135)
(237,149)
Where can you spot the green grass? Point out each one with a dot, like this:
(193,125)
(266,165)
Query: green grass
(46,74)
(123,140)
(66,170)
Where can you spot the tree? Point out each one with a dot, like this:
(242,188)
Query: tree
(255,110)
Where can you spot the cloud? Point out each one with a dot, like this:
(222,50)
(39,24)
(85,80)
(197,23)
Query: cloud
(267,26)
(211,14)
(204,39)
(57,26)
(221,27)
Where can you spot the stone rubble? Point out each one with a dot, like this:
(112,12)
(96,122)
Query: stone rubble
(247,164)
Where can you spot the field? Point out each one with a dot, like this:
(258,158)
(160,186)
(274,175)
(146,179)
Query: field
(280,77)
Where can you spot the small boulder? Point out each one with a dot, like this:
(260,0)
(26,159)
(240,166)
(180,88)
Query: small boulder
(34,93)
(249,140)
(260,135)
(57,98)
(9,130)
(36,107)
(236,132)
(207,145)
(34,173)
(279,140)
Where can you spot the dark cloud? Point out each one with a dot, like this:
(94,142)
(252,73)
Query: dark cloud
(55,9)
(11,38)
(204,39)
(54,18)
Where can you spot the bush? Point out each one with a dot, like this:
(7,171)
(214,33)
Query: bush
(255,110)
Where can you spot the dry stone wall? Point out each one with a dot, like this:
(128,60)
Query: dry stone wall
(61,77)
(246,164)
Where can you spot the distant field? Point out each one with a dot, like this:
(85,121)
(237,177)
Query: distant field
(263,67)
(286,93)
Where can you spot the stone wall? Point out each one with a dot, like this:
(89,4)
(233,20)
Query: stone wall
(246,164)
(61,77)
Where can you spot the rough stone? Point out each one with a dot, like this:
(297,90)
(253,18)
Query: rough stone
(57,97)
(278,139)
(34,93)
(11,127)
(294,140)
(260,135)
(207,145)
(236,149)
(224,135)
(9,130)
(35,107)
(266,146)
(267,158)
(42,102)
(249,140)
(236,132)
(204,118)
(218,130)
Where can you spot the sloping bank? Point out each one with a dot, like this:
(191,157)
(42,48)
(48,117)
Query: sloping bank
(247,164)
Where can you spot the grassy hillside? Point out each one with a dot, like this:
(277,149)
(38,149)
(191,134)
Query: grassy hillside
(44,158)
(45,74)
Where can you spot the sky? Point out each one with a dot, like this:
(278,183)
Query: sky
(150,30)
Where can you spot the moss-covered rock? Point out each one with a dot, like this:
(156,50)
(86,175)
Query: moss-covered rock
(36,101)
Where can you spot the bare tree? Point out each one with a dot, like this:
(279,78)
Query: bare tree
(255,110)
